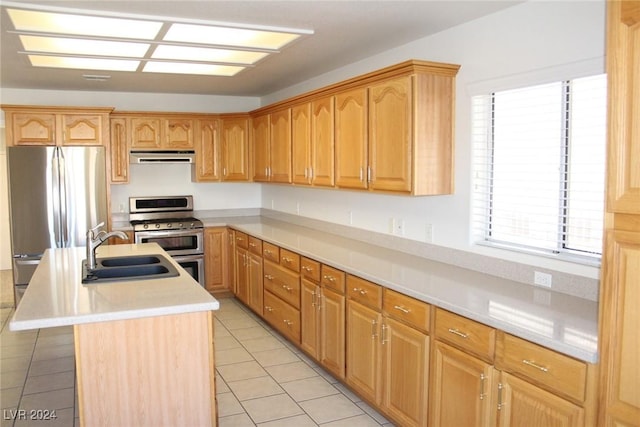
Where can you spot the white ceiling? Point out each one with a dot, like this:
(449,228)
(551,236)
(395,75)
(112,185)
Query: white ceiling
(344,32)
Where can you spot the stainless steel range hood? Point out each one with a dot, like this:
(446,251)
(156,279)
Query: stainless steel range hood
(151,157)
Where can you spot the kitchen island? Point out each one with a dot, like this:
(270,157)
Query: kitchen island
(143,348)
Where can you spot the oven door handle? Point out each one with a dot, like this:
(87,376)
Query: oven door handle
(167,233)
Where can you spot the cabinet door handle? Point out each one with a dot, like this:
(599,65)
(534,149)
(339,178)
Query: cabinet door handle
(384,334)
(535,365)
(374,329)
(361,173)
(310,174)
(500,404)
(458,333)
(313,298)
(402,309)
(368,173)
(483,377)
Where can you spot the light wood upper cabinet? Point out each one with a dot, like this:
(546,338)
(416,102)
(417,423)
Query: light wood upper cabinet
(390,135)
(235,148)
(623,74)
(119,152)
(351,138)
(207,148)
(56,126)
(162,133)
(301,144)
(261,147)
(280,132)
(322,141)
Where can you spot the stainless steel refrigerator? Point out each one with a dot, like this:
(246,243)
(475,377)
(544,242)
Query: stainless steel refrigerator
(55,195)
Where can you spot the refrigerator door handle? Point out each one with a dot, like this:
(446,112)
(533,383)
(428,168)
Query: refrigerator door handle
(55,199)
(64,226)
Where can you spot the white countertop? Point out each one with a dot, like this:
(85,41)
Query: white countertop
(56,297)
(558,321)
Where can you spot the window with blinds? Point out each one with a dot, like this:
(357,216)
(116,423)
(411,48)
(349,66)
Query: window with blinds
(539,167)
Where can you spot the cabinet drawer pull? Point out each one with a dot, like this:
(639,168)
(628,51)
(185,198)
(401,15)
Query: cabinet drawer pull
(402,309)
(307,269)
(267,252)
(362,292)
(269,309)
(458,333)
(288,322)
(253,245)
(535,365)
(287,259)
(330,278)
(268,277)
(287,288)
(239,239)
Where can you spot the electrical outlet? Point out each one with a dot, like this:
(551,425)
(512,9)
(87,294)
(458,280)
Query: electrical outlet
(542,279)
(428,233)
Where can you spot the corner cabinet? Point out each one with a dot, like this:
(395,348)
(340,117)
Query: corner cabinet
(56,125)
(619,288)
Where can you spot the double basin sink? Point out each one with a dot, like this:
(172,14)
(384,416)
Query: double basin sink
(128,268)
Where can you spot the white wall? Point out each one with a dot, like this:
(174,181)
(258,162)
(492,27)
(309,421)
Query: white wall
(5,241)
(531,42)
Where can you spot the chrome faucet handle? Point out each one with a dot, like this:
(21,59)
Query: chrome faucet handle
(92,231)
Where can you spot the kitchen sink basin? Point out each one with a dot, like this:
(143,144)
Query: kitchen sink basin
(128,260)
(122,269)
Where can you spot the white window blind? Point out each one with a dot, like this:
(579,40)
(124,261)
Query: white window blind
(539,167)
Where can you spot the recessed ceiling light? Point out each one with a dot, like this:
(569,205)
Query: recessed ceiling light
(83,63)
(63,23)
(207,54)
(226,36)
(83,46)
(191,68)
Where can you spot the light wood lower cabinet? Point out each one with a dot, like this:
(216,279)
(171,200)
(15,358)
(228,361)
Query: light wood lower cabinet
(215,248)
(249,271)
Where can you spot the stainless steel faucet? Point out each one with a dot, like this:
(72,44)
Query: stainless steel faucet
(94,240)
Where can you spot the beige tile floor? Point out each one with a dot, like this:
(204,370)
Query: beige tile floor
(262,379)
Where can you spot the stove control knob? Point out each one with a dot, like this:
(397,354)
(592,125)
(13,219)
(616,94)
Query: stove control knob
(145,226)
(157,225)
(169,225)
(180,225)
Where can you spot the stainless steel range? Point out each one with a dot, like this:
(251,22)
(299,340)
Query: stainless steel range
(169,222)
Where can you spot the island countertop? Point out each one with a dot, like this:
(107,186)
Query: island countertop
(56,296)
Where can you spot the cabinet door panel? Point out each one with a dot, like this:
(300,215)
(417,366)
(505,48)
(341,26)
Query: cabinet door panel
(310,318)
(215,248)
(145,133)
(207,151)
(301,143)
(332,348)
(261,147)
(363,350)
(235,150)
(623,63)
(390,135)
(178,133)
(254,275)
(405,367)
(119,151)
(281,146)
(34,129)
(351,139)
(525,405)
(242,279)
(461,388)
(83,129)
(322,141)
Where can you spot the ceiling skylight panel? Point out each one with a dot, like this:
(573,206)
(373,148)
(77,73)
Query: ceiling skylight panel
(202,54)
(191,68)
(83,63)
(97,26)
(63,45)
(227,36)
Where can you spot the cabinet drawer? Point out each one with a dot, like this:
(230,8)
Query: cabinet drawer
(289,259)
(554,371)
(406,309)
(255,245)
(472,336)
(242,240)
(310,269)
(282,282)
(333,278)
(270,252)
(282,316)
(364,292)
